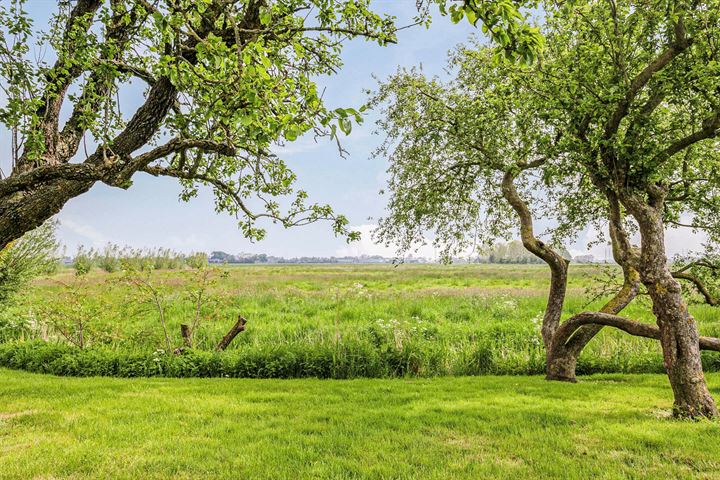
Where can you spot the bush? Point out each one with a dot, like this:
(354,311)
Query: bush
(109,259)
(36,253)
(83,261)
(197,260)
(353,359)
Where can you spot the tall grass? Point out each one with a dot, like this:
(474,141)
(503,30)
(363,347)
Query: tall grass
(339,322)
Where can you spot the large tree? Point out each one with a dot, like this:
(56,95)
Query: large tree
(225,80)
(639,103)
(603,129)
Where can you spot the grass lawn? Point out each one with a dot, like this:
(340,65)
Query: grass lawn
(611,426)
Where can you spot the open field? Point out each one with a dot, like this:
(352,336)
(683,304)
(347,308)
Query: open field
(342,321)
(606,426)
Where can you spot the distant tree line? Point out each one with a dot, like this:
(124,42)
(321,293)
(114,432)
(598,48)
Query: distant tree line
(250,258)
(111,258)
(511,252)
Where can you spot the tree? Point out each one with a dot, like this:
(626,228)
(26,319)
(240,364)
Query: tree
(462,158)
(225,80)
(610,126)
(642,116)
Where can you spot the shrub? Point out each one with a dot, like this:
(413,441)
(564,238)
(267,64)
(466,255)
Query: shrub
(83,261)
(197,260)
(36,253)
(352,359)
(109,259)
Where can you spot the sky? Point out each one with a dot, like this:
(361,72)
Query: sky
(150,214)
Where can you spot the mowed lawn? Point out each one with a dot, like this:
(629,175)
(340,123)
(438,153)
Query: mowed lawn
(612,426)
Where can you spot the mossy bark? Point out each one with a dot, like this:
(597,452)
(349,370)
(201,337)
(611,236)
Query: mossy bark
(679,336)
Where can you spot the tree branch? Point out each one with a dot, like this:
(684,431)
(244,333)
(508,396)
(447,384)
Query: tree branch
(59,78)
(700,285)
(710,129)
(558,265)
(97,87)
(120,170)
(626,256)
(47,173)
(632,327)
(215,182)
(681,43)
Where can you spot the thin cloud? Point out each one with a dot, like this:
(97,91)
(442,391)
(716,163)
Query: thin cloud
(367,246)
(87,232)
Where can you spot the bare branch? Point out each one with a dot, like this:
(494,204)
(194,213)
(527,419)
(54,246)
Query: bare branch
(627,325)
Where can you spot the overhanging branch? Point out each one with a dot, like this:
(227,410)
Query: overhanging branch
(710,129)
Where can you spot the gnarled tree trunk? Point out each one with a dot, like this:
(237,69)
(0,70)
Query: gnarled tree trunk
(558,266)
(679,334)
(568,343)
(562,345)
(24,211)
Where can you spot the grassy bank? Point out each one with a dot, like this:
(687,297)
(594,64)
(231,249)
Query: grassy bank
(484,427)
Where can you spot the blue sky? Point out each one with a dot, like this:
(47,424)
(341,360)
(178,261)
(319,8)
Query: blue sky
(150,214)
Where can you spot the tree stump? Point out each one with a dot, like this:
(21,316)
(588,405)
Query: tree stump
(230,336)
(186,335)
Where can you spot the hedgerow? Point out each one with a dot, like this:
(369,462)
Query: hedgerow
(342,361)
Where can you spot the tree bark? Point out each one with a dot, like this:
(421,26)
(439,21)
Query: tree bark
(230,336)
(186,333)
(568,344)
(679,335)
(558,265)
(25,211)
(632,327)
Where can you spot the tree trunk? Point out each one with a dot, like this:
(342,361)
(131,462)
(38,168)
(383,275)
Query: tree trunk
(230,336)
(557,264)
(26,208)
(679,335)
(557,367)
(567,346)
(186,333)
(24,211)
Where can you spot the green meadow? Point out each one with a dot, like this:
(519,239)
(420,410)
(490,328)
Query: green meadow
(433,338)
(327,321)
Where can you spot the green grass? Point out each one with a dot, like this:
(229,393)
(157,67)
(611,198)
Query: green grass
(354,320)
(461,428)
